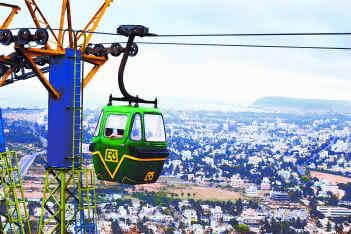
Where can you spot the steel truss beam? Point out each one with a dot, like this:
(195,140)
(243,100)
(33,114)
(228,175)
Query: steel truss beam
(69,202)
(93,23)
(52,91)
(40,21)
(8,20)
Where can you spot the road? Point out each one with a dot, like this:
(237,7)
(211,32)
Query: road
(300,168)
(26,162)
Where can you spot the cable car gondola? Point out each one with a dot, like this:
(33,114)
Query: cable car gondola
(129,144)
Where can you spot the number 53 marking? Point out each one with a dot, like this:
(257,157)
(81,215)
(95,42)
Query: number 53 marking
(111,155)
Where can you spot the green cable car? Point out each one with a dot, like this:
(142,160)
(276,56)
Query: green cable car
(129,145)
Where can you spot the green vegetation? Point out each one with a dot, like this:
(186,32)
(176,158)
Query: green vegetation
(154,198)
(242,228)
(305,178)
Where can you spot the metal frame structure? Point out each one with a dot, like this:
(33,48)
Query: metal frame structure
(69,197)
(56,47)
(14,10)
(14,213)
(14,216)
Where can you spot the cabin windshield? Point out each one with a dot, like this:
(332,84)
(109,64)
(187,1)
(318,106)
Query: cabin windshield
(154,128)
(97,128)
(115,125)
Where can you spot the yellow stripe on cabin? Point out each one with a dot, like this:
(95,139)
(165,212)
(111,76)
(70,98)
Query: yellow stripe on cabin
(112,175)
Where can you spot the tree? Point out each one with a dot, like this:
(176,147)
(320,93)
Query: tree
(347,189)
(319,224)
(242,228)
(115,227)
(266,227)
(253,204)
(239,206)
(233,222)
(332,200)
(295,195)
(328,227)
(339,228)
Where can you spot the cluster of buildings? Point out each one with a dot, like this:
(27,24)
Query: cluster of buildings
(267,158)
(192,216)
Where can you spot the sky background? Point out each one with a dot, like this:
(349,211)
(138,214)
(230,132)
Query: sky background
(221,75)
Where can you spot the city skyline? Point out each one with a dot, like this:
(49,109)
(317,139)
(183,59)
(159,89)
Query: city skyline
(230,75)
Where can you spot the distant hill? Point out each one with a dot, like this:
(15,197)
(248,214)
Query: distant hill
(291,105)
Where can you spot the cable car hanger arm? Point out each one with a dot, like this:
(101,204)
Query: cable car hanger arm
(123,66)
(131,49)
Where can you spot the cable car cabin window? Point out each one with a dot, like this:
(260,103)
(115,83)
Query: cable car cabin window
(135,134)
(154,128)
(97,128)
(115,126)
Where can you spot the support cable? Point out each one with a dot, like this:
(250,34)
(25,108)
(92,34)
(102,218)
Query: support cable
(213,34)
(236,45)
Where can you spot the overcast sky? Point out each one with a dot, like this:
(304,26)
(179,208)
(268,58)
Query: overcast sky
(228,75)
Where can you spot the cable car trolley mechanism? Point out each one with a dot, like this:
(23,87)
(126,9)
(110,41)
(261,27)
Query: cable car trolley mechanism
(129,144)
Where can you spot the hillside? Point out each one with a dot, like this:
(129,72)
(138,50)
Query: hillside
(284,104)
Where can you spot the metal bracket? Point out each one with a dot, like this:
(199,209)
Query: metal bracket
(136,100)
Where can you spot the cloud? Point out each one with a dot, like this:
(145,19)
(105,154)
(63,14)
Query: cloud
(153,75)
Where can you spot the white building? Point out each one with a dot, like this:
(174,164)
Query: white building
(266,184)
(190,216)
(251,217)
(217,213)
(236,181)
(251,191)
(289,214)
(334,211)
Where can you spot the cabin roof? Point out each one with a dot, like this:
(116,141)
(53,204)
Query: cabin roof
(132,109)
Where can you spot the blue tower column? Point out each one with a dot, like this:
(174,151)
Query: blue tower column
(2,135)
(64,124)
(64,143)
